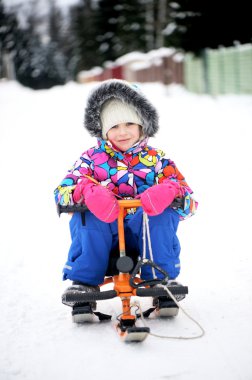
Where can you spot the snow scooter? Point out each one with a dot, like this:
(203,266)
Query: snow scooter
(127,283)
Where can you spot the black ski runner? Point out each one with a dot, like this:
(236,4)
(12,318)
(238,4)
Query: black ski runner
(126,327)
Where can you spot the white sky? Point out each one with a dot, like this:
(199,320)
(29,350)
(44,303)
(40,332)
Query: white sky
(62,3)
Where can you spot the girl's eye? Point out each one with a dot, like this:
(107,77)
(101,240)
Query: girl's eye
(129,124)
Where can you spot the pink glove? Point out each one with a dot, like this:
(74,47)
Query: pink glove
(78,195)
(99,200)
(157,198)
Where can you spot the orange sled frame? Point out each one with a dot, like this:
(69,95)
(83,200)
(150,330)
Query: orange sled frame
(127,283)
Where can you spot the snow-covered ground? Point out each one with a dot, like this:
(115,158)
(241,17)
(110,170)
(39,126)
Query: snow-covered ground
(210,141)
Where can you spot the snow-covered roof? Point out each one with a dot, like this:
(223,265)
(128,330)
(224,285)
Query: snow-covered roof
(131,57)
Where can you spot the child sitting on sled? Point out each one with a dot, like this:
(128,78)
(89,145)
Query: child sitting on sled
(122,165)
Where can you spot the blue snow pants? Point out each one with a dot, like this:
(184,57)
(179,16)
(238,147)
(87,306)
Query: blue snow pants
(93,240)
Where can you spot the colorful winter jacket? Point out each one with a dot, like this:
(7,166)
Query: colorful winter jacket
(125,174)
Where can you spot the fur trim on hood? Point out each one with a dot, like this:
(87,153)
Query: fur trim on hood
(124,91)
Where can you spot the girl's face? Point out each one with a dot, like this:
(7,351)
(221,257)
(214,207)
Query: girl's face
(124,136)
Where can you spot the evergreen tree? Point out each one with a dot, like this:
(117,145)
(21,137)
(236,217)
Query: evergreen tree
(8,34)
(194,24)
(83,35)
(107,29)
(108,42)
(58,44)
(121,28)
(39,62)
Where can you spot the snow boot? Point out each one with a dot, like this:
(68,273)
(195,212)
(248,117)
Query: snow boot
(165,306)
(82,312)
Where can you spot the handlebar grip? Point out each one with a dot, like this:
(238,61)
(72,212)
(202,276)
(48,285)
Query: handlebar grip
(71,208)
(159,291)
(178,202)
(79,297)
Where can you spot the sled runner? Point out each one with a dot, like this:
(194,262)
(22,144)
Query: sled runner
(127,283)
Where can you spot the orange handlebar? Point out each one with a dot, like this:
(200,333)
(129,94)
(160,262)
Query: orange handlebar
(123,204)
(129,203)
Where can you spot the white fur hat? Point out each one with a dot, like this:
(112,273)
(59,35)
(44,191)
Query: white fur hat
(115,112)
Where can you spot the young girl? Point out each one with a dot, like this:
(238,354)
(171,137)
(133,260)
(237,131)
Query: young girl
(121,165)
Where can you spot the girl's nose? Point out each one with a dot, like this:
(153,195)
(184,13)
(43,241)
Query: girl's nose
(121,129)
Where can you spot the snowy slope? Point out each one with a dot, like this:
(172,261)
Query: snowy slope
(209,139)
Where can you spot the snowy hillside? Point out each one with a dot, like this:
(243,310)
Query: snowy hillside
(210,141)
